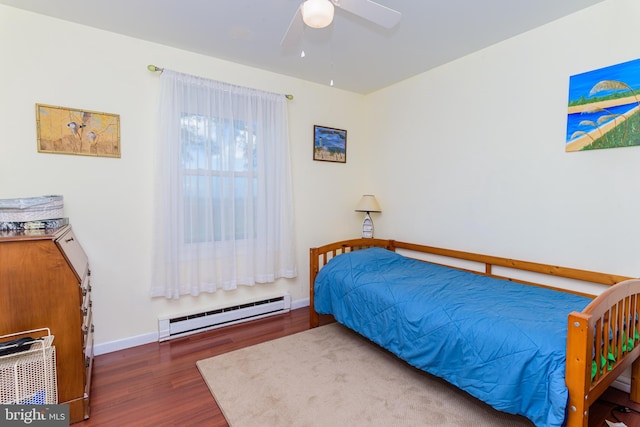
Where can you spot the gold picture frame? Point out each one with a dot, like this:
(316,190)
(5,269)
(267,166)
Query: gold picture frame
(64,130)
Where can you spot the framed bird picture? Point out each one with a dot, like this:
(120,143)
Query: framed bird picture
(64,130)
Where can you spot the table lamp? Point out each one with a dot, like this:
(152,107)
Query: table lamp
(368,204)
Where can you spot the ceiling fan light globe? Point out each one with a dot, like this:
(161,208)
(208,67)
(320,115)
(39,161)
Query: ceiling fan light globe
(317,13)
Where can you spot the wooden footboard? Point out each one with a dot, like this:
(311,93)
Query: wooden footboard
(603,340)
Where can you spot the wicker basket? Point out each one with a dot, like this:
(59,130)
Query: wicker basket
(29,377)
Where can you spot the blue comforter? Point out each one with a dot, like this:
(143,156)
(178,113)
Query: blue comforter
(502,342)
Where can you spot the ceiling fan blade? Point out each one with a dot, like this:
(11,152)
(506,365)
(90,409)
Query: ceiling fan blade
(294,33)
(371,11)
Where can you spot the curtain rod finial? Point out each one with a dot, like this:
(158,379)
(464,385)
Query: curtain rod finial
(289,96)
(154,68)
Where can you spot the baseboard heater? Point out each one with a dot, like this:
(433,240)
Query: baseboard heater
(179,326)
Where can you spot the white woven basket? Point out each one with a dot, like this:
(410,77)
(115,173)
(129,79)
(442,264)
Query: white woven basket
(29,377)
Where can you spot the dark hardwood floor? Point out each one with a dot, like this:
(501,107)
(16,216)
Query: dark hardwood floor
(158,384)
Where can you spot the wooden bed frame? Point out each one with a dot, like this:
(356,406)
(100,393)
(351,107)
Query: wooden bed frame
(587,330)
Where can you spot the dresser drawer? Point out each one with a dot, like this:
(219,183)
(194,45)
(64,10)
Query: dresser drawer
(74,253)
(88,358)
(85,289)
(87,330)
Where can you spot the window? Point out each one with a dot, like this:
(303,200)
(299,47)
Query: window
(224,205)
(219,163)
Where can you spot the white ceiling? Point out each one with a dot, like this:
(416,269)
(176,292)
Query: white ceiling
(358,55)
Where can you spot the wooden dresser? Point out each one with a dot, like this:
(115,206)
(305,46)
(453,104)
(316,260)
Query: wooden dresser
(45,283)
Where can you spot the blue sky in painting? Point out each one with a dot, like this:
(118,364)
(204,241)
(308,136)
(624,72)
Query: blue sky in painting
(626,72)
(330,138)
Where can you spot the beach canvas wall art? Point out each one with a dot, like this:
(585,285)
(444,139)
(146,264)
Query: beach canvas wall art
(329,144)
(604,108)
(73,131)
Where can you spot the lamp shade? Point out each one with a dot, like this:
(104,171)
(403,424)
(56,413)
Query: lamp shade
(368,203)
(317,13)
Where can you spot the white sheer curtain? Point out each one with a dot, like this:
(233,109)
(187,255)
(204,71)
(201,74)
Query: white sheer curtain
(223,199)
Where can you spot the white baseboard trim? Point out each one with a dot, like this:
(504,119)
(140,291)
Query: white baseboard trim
(300,303)
(126,343)
(622,383)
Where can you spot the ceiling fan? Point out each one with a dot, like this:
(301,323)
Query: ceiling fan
(319,14)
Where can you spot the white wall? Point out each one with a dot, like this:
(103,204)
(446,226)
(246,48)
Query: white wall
(468,156)
(475,151)
(110,201)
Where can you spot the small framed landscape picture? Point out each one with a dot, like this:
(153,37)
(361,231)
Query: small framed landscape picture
(329,144)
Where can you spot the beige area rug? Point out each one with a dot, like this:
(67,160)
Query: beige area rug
(330,376)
